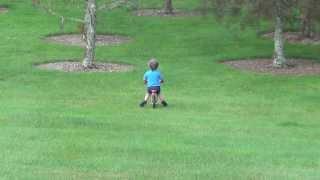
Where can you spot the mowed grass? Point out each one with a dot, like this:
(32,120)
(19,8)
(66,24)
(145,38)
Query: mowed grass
(220,124)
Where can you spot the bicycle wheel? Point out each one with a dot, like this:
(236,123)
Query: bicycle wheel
(154,100)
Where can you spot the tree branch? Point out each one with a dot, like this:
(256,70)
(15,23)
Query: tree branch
(113,5)
(53,13)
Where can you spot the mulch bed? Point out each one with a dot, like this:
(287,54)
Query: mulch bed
(3,9)
(77,40)
(295,66)
(160,12)
(70,66)
(296,37)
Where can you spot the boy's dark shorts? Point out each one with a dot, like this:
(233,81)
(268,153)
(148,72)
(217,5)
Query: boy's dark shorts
(157,88)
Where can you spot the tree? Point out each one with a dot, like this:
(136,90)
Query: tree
(168,8)
(279,58)
(223,8)
(90,33)
(310,13)
(257,9)
(89,21)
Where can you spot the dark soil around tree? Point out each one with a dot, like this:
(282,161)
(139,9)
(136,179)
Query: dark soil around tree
(71,66)
(294,67)
(3,9)
(160,12)
(77,39)
(296,37)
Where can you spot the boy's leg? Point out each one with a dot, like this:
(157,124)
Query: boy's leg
(146,97)
(144,102)
(163,102)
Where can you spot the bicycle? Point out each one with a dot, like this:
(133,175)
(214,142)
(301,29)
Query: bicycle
(154,98)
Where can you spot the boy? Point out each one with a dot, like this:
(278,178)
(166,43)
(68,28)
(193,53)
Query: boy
(153,80)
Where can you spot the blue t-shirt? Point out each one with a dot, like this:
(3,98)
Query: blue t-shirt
(153,78)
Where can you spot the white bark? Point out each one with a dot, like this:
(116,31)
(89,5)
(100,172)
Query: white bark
(90,33)
(279,58)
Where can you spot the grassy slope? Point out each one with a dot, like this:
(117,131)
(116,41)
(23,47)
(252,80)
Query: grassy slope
(221,123)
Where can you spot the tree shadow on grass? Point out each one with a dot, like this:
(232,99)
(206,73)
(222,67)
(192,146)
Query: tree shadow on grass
(290,124)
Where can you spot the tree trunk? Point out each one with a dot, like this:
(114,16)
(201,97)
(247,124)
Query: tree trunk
(279,58)
(35,3)
(204,7)
(306,28)
(168,8)
(306,22)
(90,33)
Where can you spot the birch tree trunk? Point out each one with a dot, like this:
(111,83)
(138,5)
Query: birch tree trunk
(168,8)
(279,58)
(90,33)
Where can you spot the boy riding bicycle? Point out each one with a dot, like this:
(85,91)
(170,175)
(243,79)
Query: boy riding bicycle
(153,79)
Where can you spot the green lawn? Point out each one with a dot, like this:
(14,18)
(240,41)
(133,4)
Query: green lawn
(220,124)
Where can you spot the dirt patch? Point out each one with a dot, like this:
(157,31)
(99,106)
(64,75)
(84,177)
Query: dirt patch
(295,66)
(77,39)
(71,66)
(3,9)
(160,12)
(296,37)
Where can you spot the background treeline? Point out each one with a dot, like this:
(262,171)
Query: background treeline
(299,15)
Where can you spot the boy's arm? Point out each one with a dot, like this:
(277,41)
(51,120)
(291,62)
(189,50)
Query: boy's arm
(161,79)
(145,78)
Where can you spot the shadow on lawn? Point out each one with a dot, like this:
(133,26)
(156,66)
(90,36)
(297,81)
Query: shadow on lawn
(291,124)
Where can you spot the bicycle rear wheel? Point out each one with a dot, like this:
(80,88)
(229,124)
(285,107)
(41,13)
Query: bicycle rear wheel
(154,100)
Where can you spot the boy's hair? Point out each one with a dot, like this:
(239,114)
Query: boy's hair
(153,64)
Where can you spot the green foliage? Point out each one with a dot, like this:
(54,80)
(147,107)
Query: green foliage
(298,15)
(73,10)
(294,20)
